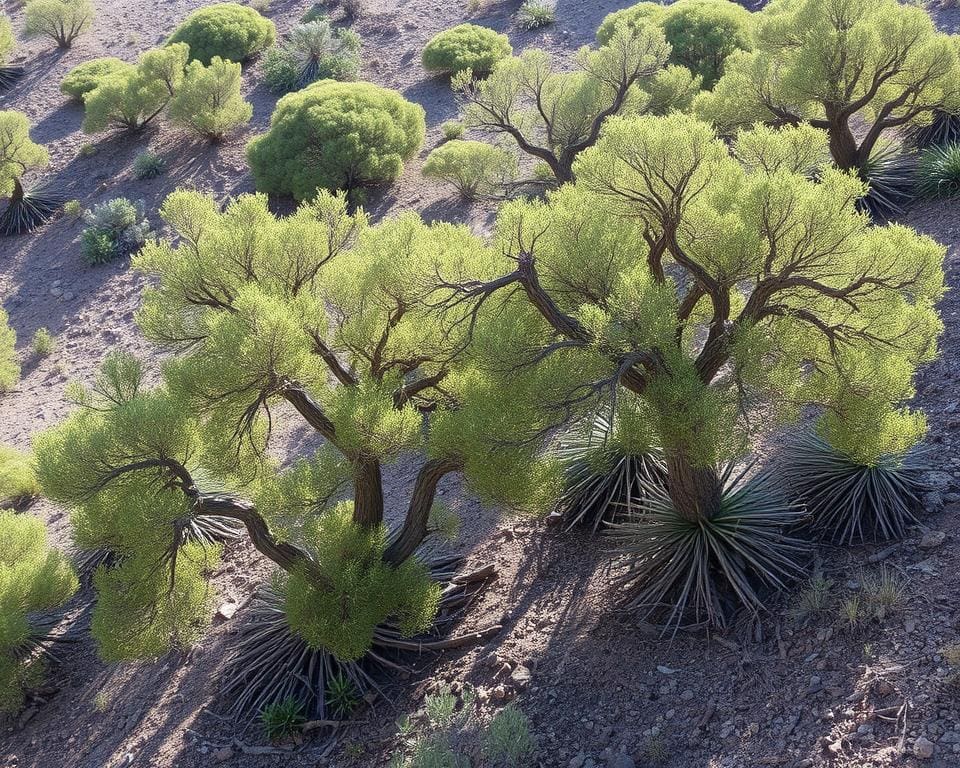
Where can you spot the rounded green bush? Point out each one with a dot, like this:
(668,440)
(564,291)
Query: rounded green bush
(466,46)
(702,33)
(474,168)
(83,78)
(334,135)
(228,30)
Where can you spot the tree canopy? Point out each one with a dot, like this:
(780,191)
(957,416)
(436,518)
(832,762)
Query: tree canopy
(18,153)
(837,63)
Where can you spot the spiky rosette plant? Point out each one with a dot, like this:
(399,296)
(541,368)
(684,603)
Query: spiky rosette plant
(891,178)
(938,171)
(9,73)
(312,51)
(35,579)
(268,664)
(862,72)
(680,571)
(943,129)
(725,290)
(851,499)
(604,474)
(25,209)
(316,320)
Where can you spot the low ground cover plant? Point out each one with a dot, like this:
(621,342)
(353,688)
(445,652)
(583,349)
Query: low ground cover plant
(113,230)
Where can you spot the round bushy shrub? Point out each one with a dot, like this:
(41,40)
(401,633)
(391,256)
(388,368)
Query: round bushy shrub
(83,78)
(939,171)
(334,136)
(466,46)
(702,33)
(474,168)
(228,30)
(60,20)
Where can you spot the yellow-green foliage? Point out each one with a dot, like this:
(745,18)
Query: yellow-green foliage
(7,41)
(83,78)
(9,364)
(701,33)
(352,134)
(465,46)
(18,481)
(33,577)
(367,590)
(811,304)
(61,20)
(18,153)
(474,168)
(130,98)
(265,301)
(552,114)
(836,64)
(229,30)
(208,101)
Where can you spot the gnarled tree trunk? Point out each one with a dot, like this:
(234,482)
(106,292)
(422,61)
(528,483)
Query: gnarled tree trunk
(694,491)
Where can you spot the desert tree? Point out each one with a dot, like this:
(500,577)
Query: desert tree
(710,296)
(859,71)
(208,102)
(35,579)
(63,21)
(552,114)
(317,320)
(130,98)
(25,209)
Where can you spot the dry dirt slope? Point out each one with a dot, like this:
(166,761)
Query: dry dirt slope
(602,691)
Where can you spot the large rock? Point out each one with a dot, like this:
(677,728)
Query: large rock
(923,748)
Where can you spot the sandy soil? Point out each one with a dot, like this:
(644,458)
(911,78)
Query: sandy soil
(603,690)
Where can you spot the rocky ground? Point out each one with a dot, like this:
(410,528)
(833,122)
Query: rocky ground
(801,687)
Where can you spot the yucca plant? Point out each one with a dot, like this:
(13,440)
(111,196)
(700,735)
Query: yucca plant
(939,171)
(891,177)
(313,51)
(26,208)
(943,128)
(9,73)
(269,663)
(849,501)
(677,571)
(282,719)
(603,479)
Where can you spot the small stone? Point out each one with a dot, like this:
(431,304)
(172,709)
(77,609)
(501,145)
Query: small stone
(56,291)
(223,754)
(621,760)
(932,539)
(227,610)
(577,761)
(521,676)
(923,748)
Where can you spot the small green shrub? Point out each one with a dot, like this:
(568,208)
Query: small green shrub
(314,51)
(83,78)
(33,577)
(73,209)
(9,366)
(534,14)
(43,343)
(61,20)
(129,100)
(452,129)
(260,6)
(114,229)
(7,39)
(87,149)
(342,695)
(228,30)
(336,136)
(208,101)
(463,47)
(474,168)
(282,719)
(18,480)
(148,165)
(939,171)
(315,12)
(508,738)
